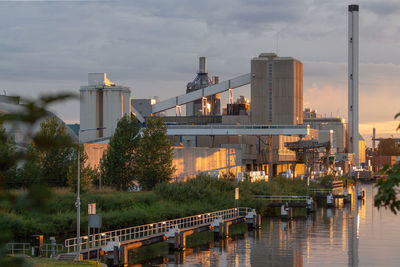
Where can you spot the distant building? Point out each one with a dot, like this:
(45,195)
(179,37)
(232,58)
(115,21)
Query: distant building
(102,104)
(310,114)
(337,125)
(241,107)
(143,106)
(276,90)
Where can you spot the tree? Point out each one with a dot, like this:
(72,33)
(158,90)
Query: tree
(8,168)
(118,167)
(87,173)
(55,160)
(388,147)
(388,189)
(37,197)
(154,155)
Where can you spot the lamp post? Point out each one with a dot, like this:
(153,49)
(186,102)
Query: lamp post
(78,202)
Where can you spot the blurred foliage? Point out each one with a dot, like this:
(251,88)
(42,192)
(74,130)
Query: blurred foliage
(35,200)
(388,189)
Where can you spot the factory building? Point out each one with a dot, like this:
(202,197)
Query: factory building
(325,125)
(210,105)
(276,90)
(102,104)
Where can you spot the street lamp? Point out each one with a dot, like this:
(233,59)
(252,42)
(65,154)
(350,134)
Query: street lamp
(78,202)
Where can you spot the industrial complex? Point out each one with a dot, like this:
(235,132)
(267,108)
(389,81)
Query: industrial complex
(269,134)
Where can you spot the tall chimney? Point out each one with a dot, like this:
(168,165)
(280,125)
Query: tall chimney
(353,82)
(202,65)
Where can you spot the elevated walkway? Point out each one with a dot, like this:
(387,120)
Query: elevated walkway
(257,130)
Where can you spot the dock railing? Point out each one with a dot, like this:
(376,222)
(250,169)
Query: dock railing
(283,198)
(152,229)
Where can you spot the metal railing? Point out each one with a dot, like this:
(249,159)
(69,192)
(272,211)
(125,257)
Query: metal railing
(26,248)
(152,229)
(283,198)
(19,248)
(47,249)
(235,126)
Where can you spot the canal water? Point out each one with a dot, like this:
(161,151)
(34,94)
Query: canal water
(356,234)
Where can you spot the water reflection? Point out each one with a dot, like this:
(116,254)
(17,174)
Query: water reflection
(352,234)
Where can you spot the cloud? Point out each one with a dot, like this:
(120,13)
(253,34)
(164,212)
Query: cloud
(153,46)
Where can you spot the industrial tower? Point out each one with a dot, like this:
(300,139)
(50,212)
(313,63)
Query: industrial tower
(353,132)
(210,105)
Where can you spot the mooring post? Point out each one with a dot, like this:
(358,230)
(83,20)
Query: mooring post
(329,200)
(253,220)
(116,255)
(310,205)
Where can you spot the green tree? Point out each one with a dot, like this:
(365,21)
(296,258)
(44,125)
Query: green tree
(55,160)
(154,155)
(388,189)
(8,169)
(87,173)
(30,173)
(118,167)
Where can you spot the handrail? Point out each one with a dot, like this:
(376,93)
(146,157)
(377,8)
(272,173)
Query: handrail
(234,126)
(158,228)
(282,197)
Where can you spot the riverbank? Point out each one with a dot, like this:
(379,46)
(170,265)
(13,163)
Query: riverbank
(166,201)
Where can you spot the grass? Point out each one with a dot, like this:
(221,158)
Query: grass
(125,209)
(46,262)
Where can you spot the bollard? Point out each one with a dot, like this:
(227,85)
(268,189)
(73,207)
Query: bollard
(285,212)
(53,247)
(116,255)
(310,205)
(329,201)
(253,220)
(360,193)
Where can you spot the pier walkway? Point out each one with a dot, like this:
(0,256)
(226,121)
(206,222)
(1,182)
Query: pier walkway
(118,242)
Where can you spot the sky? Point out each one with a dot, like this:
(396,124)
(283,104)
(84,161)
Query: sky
(153,47)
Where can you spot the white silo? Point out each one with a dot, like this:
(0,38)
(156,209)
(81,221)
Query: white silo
(102,104)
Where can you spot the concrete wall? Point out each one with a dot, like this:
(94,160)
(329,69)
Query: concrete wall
(94,153)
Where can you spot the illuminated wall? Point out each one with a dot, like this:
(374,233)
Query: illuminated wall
(190,161)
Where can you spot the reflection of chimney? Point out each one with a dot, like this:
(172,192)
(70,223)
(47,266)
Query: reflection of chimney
(202,65)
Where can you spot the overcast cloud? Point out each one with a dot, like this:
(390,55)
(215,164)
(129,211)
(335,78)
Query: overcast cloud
(153,47)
